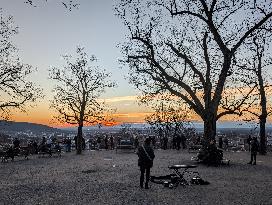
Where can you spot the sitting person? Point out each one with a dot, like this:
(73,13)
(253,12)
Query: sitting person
(16,146)
(16,143)
(43,145)
(210,154)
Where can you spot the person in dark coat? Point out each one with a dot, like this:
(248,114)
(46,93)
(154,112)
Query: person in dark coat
(98,142)
(16,146)
(220,142)
(111,142)
(153,139)
(178,141)
(75,139)
(145,162)
(165,142)
(69,144)
(248,142)
(136,143)
(35,147)
(106,140)
(254,149)
(183,141)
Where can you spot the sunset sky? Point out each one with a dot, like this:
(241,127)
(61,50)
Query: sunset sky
(48,31)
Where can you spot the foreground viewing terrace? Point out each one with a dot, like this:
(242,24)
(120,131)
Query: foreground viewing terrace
(106,177)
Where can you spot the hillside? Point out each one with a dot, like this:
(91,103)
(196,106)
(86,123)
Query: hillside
(10,126)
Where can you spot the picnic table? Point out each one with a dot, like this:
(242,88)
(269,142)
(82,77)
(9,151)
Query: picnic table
(185,170)
(182,174)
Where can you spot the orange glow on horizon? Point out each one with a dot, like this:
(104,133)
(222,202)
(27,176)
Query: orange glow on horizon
(127,111)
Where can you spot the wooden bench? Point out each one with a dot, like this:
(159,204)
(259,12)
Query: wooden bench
(125,145)
(50,152)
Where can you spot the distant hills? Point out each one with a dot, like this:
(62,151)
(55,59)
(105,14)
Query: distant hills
(11,126)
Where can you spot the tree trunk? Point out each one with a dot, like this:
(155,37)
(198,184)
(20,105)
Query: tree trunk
(262,135)
(263,115)
(209,130)
(79,139)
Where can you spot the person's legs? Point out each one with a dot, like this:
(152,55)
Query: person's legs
(178,146)
(251,158)
(147,177)
(254,158)
(142,176)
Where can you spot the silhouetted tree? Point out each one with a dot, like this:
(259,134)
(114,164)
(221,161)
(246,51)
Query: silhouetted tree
(76,96)
(190,48)
(15,89)
(258,62)
(170,116)
(67,4)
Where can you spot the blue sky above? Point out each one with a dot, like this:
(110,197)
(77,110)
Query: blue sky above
(49,30)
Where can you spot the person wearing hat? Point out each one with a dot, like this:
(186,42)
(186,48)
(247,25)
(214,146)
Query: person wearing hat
(145,162)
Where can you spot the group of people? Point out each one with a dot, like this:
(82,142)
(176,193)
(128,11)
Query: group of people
(33,146)
(97,143)
(176,142)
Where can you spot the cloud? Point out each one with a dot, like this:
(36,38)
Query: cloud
(121,99)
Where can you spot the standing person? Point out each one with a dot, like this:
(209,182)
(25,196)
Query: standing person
(226,141)
(35,147)
(75,139)
(145,162)
(111,142)
(65,144)
(83,143)
(153,139)
(248,142)
(165,142)
(69,143)
(48,143)
(88,144)
(254,149)
(220,142)
(174,142)
(98,142)
(183,141)
(16,143)
(106,142)
(16,146)
(178,141)
(136,143)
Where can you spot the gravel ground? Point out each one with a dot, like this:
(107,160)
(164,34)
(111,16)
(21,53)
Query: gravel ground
(104,177)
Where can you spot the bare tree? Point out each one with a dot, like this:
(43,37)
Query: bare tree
(67,4)
(190,48)
(257,63)
(76,97)
(16,91)
(170,116)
